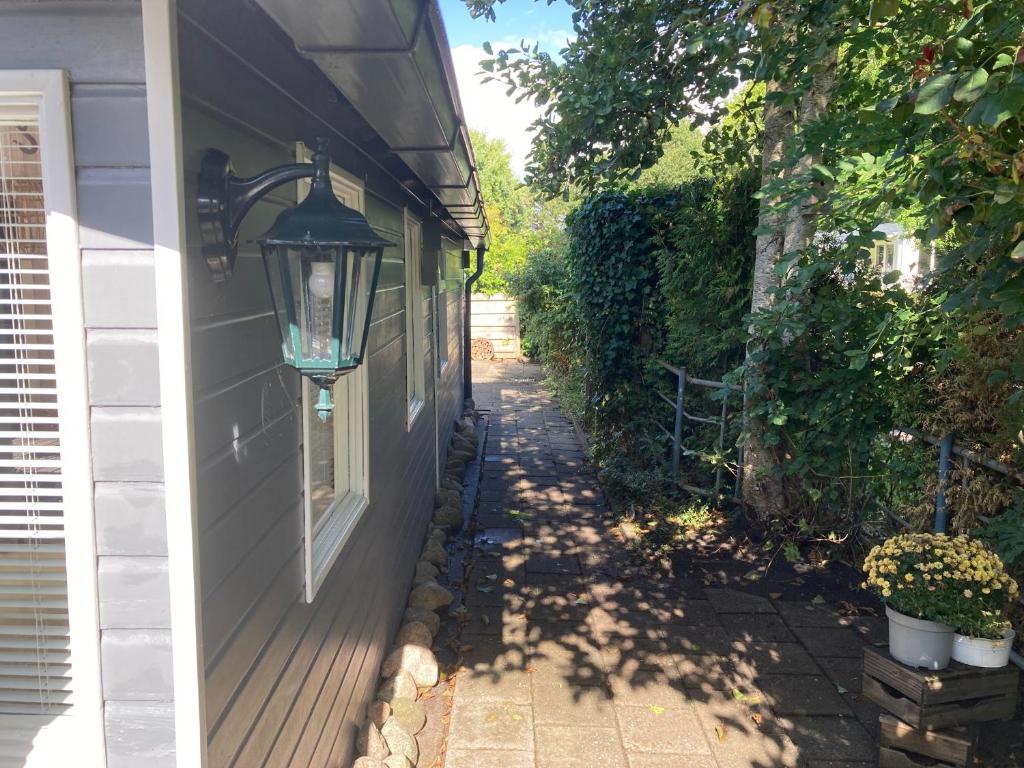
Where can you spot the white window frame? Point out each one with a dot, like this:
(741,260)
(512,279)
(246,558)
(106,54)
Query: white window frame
(882,248)
(47,91)
(325,541)
(415,378)
(441,306)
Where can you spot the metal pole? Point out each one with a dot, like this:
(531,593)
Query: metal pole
(721,449)
(677,433)
(945,459)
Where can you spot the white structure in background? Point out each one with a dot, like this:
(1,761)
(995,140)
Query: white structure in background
(901,253)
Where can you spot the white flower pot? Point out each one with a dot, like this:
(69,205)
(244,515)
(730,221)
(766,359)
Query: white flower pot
(979,652)
(919,643)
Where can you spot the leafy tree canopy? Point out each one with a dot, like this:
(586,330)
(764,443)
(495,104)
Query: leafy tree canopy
(521,222)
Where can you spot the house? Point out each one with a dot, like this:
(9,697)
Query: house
(195,570)
(900,252)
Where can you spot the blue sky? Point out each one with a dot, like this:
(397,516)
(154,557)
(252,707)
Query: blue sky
(486,106)
(530,19)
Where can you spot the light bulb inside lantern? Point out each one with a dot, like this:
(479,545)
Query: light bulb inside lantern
(321,279)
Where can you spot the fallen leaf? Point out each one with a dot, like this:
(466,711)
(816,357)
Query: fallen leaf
(720,731)
(485,589)
(752,576)
(774,595)
(485,619)
(508,583)
(530,669)
(757,717)
(657,710)
(491,577)
(492,717)
(818,600)
(841,689)
(516,716)
(738,694)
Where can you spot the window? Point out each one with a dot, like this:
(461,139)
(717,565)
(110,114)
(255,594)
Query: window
(415,384)
(334,452)
(885,256)
(50,701)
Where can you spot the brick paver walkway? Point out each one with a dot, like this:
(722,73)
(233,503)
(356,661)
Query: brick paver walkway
(572,666)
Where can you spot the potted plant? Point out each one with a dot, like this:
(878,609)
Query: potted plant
(983,596)
(911,573)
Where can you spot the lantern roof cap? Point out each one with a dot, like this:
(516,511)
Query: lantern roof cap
(322,219)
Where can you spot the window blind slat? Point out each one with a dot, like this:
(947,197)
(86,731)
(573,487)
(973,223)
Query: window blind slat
(35,676)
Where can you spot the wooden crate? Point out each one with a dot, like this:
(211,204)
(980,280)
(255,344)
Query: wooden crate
(894,758)
(929,700)
(900,742)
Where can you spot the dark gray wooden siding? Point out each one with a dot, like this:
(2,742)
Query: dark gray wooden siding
(99,44)
(286,681)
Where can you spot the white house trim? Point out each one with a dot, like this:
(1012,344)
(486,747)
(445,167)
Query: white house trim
(159,27)
(48,91)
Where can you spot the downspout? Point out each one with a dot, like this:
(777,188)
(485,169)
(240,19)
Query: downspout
(467,327)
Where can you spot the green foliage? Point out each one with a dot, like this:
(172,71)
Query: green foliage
(677,162)
(521,223)
(660,272)
(1006,535)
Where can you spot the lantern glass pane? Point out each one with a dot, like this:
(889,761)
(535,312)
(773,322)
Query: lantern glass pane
(362,265)
(274,261)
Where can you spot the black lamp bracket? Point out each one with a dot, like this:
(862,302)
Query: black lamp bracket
(223,199)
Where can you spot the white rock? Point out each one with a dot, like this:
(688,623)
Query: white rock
(378,711)
(449,517)
(438,535)
(369,762)
(371,743)
(434,553)
(400,741)
(444,496)
(398,685)
(430,619)
(410,715)
(418,661)
(431,596)
(398,761)
(414,633)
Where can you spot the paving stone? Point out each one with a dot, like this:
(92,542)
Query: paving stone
(801,695)
(754,659)
(735,601)
(491,671)
(738,741)
(706,673)
(699,640)
(567,746)
(660,730)
(830,642)
(672,761)
(804,614)
(648,688)
(559,703)
(621,653)
(759,627)
(576,661)
(456,757)
(844,672)
(491,725)
(835,738)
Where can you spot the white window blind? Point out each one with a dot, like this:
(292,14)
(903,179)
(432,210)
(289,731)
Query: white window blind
(35,668)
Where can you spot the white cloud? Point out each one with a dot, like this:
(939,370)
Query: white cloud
(488,109)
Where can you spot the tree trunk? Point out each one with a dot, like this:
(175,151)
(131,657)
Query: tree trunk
(787,233)
(762,488)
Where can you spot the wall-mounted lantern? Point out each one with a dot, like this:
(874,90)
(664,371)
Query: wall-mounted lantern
(322,261)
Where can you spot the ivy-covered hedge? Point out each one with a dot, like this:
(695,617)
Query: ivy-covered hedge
(651,273)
